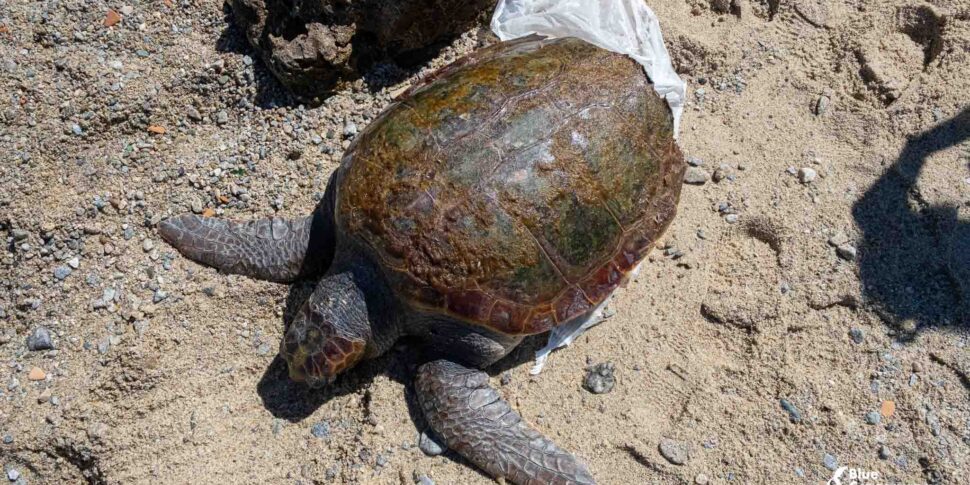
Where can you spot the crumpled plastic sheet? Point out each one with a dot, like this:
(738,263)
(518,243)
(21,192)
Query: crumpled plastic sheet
(624,26)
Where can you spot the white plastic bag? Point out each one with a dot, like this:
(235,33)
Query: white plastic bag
(624,26)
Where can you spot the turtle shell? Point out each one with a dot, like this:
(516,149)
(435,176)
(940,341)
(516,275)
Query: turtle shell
(517,187)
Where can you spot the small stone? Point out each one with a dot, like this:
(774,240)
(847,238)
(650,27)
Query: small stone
(676,452)
(599,378)
(36,374)
(62,272)
(422,479)
(807,175)
(887,409)
(159,296)
(13,474)
(696,176)
(350,129)
(719,175)
(793,414)
(847,252)
(19,234)
(694,161)
(7,439)
(222,118)
(74,262)
(857,335)
(111,18)
(884,452)
(821,105)
(193,113)
(39,339)
(321,430)
(701,479)
(147,245)
(127,10)
(731,218)
(429,444)
(873,418)
(830,461)
(838,239)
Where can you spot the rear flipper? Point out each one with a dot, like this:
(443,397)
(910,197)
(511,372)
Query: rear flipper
(474,420)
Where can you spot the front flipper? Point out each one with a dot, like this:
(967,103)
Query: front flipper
(474,420)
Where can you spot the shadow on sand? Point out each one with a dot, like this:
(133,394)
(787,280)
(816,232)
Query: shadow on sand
(914,259)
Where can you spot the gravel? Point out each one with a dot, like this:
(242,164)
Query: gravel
(793,414)
(857,335)
(62,272)
(321,430)
(39,339)
(696,176)
(676,452)
(429,444)
(830,461)
(807,175)
(600,378)
(873,418)
(847,252)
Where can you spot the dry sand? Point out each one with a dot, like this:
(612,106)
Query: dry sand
(870,95)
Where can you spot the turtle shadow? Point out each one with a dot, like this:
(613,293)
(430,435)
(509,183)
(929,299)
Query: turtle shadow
(914,258)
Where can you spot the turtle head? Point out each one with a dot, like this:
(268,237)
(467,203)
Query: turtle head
(329,334)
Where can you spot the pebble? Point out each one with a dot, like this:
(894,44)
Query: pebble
(674,451)
(62,272)
(321,430)
(13,474)
(807,175)
(350,129)
(147,245)
(422,479)
(159,296)
(873,418)
(36,374)
(793,414)
(830,461)
(39,339)
(74,262)
(701,479)
(222,118)
(429,444)
(821,105)
(193,113)
(696,176)
(719,175)
(838,239)
(600,378)
(19,234)
(847,252)
(694,161)
(7,439)
(731,218)
(857,334)
(884,452)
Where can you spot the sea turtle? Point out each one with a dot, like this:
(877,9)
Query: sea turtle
(506,196)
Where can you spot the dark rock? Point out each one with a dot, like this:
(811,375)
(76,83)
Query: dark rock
(40,339)
(314,46)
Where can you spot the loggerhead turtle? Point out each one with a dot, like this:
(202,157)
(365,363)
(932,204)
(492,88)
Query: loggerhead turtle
(508,195)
